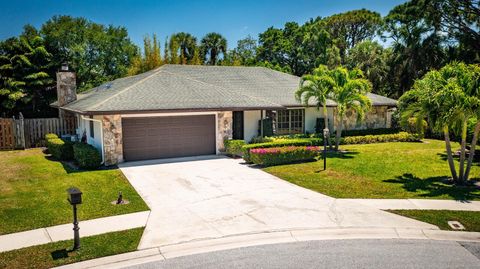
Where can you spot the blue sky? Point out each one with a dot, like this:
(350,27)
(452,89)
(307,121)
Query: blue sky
(233,19)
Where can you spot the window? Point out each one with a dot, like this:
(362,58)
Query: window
(290,121)
(92,132)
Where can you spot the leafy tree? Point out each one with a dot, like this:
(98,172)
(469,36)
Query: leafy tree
(96,52)
(349,28)
(25,84)
(213,44)
(246,50)
(448,99)
(166,52)
(350,93)
(196,57)
(186,43)
(150,59)
(317,86)
(370,57)
(174,48)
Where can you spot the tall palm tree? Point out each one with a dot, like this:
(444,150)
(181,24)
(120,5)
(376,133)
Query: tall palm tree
(350,93)
(186,43)
(212,45)
(318,86)
(448,99)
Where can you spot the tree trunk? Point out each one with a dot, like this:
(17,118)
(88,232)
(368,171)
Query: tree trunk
(472,150)
(462,152)
(339,132)
(325,119)
(449,154)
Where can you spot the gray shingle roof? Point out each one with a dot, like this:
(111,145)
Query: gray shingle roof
(186,87)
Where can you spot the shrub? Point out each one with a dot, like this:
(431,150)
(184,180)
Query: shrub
(86,156)
(280,143)
(60,150)
(259,139)
(234,147)
(283,155)
(378,131)
(51,136)
(367,139)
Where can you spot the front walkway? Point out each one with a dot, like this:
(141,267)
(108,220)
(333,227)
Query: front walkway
(209,197)
(65,232)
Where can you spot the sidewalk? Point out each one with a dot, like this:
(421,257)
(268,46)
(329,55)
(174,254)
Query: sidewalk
(65,232)
(425,204)
(139,219)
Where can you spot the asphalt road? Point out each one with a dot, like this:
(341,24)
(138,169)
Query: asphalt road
(336,254)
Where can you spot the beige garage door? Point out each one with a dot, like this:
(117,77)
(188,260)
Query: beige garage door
(168,137)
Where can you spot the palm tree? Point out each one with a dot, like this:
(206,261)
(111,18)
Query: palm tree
(186,43)
(318,86)
(212,45)
(350,93)
(448,99)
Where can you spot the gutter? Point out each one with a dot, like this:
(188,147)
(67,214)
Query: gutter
(101,135)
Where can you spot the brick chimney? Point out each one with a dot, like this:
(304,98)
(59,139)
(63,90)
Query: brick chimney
(66,86)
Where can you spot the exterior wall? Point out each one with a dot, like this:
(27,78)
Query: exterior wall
(224,128)
(250,124)
(378,117)
(84,126)
(311,115)
(112,139)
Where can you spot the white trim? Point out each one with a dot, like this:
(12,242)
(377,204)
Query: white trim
(168,114)
(101,135)
(150,115)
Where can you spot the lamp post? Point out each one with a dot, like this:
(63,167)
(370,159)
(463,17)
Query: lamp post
(75,198)
(326,133)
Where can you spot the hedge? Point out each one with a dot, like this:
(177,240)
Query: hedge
(234,147)
(280,143)
(283,155)
(367,139)
(51,136)
(378,131)
(60,150)
(86,156)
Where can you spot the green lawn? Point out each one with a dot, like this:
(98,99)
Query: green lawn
(384,170)
(469,219)
(92,247)
(33,192)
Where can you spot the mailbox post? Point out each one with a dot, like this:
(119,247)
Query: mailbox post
(326,134)
(75,198)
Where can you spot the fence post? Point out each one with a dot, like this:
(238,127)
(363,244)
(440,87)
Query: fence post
(19,132)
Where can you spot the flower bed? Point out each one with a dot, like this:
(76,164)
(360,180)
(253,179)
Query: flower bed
(283,155)
(280,143)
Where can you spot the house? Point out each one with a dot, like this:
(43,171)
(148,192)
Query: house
(181,110)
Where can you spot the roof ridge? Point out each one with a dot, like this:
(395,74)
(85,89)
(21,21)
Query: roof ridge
(154,71)
(216,86)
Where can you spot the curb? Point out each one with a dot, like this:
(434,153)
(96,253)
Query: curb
(238,241)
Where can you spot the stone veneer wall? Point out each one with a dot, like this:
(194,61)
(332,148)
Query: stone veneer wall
(224,128)
(376,118)
(112,139)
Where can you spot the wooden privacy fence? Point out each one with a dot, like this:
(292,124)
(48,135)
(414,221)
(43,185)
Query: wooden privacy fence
(28,133)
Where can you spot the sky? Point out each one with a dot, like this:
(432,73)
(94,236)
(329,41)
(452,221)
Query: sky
(233,19)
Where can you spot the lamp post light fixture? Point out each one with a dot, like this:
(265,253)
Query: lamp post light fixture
(326,133)
(75,198)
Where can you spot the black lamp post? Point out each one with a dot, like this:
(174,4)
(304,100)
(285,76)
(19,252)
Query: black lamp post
(326,133)
(75,198)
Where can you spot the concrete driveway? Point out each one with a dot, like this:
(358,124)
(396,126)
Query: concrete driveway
(214,196)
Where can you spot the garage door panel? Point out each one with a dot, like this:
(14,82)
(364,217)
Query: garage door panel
(167,137)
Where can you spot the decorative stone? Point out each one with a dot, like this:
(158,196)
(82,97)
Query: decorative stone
(66,88)
(224,128)
(112,139)
(377,117)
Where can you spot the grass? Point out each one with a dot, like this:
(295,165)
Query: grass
(469,219)
(92,247)
(384,170)
(33,192)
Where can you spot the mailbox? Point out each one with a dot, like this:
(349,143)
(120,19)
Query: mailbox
(74,196)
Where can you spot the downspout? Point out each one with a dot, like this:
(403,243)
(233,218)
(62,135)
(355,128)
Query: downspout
(101,135)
